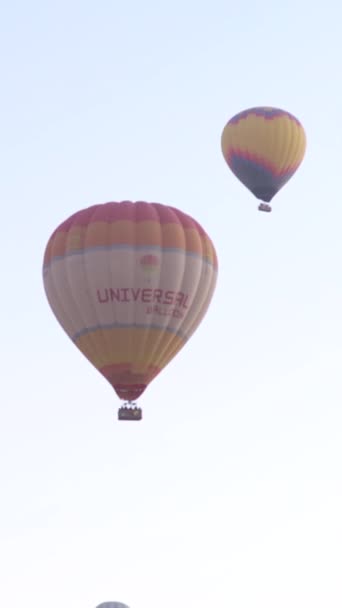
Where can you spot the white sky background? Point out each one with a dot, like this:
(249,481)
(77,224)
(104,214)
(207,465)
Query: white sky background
(230,490)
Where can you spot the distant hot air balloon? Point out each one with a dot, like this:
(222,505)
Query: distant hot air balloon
(129,283)
(112,605)
(263,147)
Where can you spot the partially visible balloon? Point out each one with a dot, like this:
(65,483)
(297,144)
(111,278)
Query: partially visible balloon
(112,605)
(130,283)
(264,148)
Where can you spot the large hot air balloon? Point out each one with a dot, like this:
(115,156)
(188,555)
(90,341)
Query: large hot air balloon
(129,283)
(263,147)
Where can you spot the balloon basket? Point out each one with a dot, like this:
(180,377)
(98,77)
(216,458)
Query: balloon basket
(265,207)
(129,413)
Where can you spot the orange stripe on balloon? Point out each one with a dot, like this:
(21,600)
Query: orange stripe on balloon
(149,234)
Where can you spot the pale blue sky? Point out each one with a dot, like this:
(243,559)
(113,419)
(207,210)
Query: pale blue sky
(230,491)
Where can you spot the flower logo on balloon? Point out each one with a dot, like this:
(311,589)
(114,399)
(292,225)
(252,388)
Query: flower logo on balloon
(150,264)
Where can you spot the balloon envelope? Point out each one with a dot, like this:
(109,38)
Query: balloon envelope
(129,283)
(263,147)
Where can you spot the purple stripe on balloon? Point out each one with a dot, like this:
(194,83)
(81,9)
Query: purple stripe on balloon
(262,181)
(266,113)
